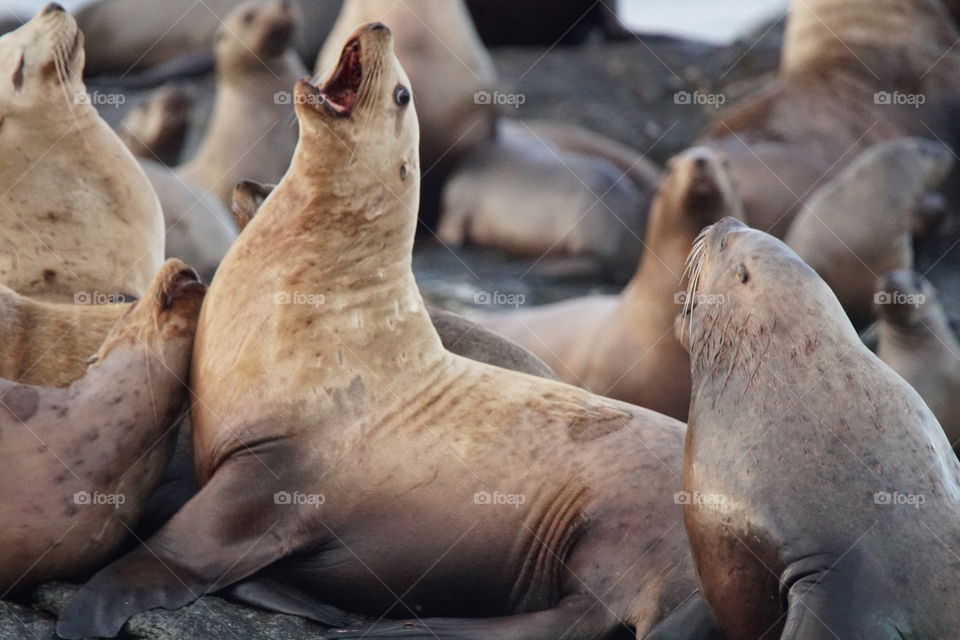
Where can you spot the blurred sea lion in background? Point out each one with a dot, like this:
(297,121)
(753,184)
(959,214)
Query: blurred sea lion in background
(156,128)
(77,213)
(623,346)
(544,22)
(133,35)
(853,73)
(915,338)
(859,225)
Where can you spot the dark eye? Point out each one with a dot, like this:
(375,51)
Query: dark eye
(249,16)
(401,95)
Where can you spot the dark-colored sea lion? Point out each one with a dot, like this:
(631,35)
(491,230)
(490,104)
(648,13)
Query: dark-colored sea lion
(534,508)
(251,134)
(78,462)
(853,73)
(824,499)
(543,22)
(623,346)
(917,341)
(77,212)
(860,224)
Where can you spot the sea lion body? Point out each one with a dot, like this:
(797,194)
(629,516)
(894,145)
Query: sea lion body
(156,128)
(860,224)
(78,212)
(853,73)
(812,469)
(79,461)
(622,346)
(350,381)
(252,132)
(917,341)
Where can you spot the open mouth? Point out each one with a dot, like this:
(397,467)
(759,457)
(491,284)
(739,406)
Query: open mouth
(340,92)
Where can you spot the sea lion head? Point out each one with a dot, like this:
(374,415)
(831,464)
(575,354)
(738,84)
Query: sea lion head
(746,288)
(165,317)
(366,103)
(696,191)
(41,64)
(255,32)
(906,300)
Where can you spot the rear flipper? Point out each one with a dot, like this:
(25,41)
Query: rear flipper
(227,532)
(693,620)
(575,618)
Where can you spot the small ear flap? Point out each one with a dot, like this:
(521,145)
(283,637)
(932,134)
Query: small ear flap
(247,198)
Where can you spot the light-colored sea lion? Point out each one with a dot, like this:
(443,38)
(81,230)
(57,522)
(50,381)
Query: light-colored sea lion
(77,212)
(131,36)
(860,224)
(623,346)
(251,134)
(812,469)
(915,339)
(853,73)
(78,462)
(311,473)
(156,128)
(525,195)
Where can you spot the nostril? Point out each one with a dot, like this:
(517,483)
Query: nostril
(700,163)
(378,26)
(52,7)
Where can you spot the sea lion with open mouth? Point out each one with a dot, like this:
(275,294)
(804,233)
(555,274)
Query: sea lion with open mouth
(80,461)
(623,346)
(915,338)
(823,498)
(534,508)
(78,213)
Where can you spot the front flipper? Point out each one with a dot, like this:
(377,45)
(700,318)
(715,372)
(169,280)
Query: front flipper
(693,620)
(575,618)
(228,531)
(266,592)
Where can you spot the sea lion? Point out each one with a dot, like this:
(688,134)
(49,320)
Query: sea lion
(156,128)
(915,339)
(543,22)
(622,346)
(79,461)
(352,366)
(853,73)
(251,134)
(860,224)
(811,468)
(131,36)
(525,195)
(77,213)
(458,335)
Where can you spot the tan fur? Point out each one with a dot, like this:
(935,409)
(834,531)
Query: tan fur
(622,346)
(78,212)
(156,128)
